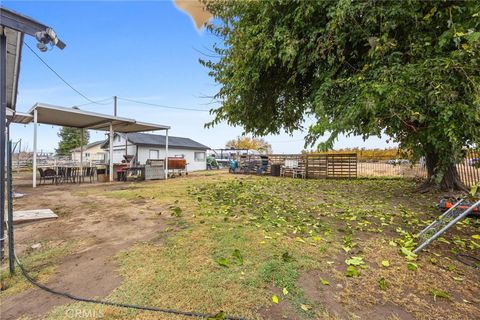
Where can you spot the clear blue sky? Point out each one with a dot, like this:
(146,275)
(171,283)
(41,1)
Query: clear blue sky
(145,51)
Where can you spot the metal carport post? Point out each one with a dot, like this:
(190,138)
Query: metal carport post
(166,154)
(110,154)
(34,166)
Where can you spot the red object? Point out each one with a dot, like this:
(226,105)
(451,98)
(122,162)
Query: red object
(122,168)
(445,205)
(177,163)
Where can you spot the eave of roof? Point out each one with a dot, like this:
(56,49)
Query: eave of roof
(171,143)
(172,146)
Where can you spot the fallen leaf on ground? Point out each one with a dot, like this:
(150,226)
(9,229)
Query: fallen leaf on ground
(305,307)
(275,299)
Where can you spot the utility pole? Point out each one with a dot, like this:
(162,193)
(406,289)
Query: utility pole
(115,106)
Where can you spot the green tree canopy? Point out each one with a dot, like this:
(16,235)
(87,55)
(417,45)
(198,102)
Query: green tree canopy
(407,69)
(70,138)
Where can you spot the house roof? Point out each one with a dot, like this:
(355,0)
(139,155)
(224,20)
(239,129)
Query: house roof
(157,140)
(90,145)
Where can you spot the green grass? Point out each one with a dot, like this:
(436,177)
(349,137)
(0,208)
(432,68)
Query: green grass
(244,239)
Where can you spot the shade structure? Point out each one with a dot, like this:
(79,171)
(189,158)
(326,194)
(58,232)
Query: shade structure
(18,117)
(76,118)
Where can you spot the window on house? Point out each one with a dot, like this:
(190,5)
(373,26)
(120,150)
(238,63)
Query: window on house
(153,154)
(199,156)
(87,154)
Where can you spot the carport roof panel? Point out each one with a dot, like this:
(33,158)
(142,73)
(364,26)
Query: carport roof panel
(18,117)
(76,118)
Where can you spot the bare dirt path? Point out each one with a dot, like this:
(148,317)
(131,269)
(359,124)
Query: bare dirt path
(104,225)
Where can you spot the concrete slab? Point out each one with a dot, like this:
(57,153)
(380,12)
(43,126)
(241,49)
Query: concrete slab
(26,216)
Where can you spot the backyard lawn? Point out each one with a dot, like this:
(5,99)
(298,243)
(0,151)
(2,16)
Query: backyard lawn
(253,247)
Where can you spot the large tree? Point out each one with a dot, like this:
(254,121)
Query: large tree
(407,69)
(245,142)
(70,138)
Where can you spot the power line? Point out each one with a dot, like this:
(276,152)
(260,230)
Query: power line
(90,101)
(59,76)
(97,102)
(162,106)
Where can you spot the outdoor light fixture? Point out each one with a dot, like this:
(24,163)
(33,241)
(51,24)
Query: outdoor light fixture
(48,37)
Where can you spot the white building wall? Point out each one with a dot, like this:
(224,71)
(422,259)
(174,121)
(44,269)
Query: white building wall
(119,150)
(95,154)
(188,154)
(144,154)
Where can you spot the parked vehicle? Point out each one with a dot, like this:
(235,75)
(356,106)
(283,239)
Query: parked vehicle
(398,161)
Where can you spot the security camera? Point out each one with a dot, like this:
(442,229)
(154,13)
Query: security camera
(43,39)
(42,46)
(48,37)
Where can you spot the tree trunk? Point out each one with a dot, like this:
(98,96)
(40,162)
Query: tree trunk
(450,179)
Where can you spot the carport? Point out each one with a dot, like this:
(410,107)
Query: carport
(76,118)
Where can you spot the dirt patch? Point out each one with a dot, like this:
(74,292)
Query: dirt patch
(329,296)
(87,274)
(386,311)
(282,310)
(109,225)
(325,295)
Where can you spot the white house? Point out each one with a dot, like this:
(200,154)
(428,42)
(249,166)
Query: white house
(146,146)
(92,152)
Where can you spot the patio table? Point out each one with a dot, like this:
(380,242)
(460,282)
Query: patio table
(73,173)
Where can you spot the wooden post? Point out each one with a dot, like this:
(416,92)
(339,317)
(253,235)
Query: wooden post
(166,155)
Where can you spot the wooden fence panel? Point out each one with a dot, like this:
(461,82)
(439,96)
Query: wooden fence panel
(331,165)
(350,165)
(343,165)
(317,166)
